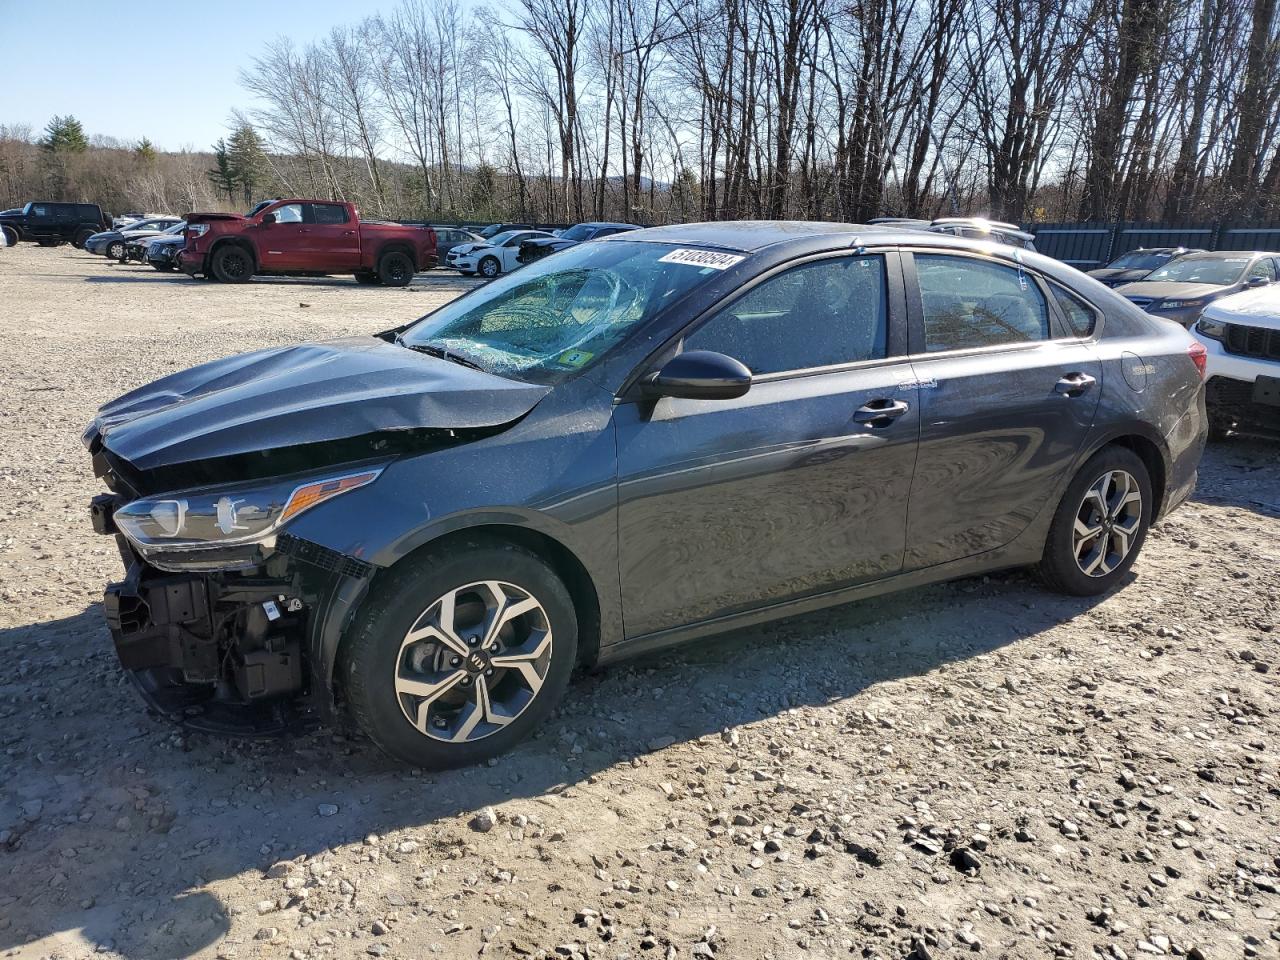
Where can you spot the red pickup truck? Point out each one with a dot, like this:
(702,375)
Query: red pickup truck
(305,237)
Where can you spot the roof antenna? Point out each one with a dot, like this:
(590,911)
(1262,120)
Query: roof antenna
(858,246)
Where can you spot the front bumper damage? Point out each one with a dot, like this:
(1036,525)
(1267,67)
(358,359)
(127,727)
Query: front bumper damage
(246,652)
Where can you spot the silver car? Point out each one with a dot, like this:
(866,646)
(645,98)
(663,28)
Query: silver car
(1183,287)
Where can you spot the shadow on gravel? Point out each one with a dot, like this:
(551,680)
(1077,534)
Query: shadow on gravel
(119,823)
(1241,472)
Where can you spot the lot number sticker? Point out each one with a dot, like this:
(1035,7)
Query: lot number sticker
(702,258)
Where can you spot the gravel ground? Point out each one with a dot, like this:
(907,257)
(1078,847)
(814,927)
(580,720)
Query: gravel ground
(979,767)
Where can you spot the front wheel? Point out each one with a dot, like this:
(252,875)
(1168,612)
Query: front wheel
(10,236)
(489,267)
(1100,525)
(395,269)
(115,250)
(231,264)
(460,654)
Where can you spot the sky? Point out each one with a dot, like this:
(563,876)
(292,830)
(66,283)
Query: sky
(93,59)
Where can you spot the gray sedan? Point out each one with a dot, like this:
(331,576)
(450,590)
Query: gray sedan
(1183,287)
(632,443)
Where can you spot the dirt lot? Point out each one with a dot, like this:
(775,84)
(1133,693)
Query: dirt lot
(979,767)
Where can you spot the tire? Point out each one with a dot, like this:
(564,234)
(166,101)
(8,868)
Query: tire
(489,267)
(48,243)
(231,264)
(395,268)
(114,250)
(80,237)
(378,655)
(11,236)
(1126,522)
(367,278)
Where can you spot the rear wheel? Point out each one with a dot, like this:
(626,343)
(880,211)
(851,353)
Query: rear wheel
(460,655)
(80,238)
(1100,525)
(11,236)
(395,268)
(231,264)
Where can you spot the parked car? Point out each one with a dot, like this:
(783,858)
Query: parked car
(162,251)
(293,236)
(498,254)
(122,220)
(657,436)
(111,243)
(1138,264)
(538,247)
(449,237)
(135,241)
(51,223)
(1183,287)
(493,229)
(976,228)
(1241,336)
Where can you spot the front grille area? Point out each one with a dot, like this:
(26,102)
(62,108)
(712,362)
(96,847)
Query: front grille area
(1259,342)
(323,557)
(1228,392)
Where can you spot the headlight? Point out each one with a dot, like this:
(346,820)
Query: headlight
(1179,304)
(1212,329)
(227,516)
(198,229)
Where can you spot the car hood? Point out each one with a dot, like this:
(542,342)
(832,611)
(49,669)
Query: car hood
(310,393)
(1252,308)
(1116,275)
(469,247)
(1166,289)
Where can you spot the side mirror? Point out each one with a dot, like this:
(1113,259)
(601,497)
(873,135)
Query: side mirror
(699,375)
(1257,282)
(268,219)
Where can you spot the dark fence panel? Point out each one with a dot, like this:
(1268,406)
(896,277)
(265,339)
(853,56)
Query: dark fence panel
(1090,245)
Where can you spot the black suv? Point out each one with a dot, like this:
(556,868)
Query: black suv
(49,224)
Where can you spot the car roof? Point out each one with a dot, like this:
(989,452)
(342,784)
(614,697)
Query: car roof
(1223,254)
(747,236)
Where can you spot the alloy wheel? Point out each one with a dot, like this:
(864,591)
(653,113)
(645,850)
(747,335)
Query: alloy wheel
(1107,523)
(473,661)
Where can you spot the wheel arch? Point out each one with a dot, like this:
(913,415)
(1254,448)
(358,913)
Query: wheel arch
(564,561)
(233,242)
(1150,448)
(397,246)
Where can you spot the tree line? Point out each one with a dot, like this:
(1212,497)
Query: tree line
(660,110)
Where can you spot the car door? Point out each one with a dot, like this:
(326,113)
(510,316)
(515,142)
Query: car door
(797,487)
(329,240)
(281,243)
(1008,394)
(509,252)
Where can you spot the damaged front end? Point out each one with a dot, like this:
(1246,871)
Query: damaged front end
(227,634)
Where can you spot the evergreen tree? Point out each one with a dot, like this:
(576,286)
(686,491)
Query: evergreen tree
(145,151)
(247,160)
(65,135)
(222,176)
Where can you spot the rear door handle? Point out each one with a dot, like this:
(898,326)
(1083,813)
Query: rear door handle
(881,412)
(1074,384)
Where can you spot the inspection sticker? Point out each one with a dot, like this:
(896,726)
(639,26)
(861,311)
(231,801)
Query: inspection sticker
(702,258)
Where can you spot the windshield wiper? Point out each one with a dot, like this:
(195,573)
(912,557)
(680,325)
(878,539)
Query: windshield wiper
(435,350)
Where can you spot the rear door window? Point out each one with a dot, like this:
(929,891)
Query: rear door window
(968,303)
(819,314)
(1079,315)
(328,213)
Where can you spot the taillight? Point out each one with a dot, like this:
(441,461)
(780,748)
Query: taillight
(1199,356)
(197,229)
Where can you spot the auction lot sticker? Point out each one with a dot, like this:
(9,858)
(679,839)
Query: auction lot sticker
(702,258)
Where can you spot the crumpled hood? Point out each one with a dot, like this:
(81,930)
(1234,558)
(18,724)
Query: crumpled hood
(310,393)
(1169,290)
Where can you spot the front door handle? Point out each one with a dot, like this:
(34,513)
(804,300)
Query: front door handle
(880,413)
(1074,384)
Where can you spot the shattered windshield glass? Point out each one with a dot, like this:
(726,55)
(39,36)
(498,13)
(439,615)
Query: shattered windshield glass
(558,315)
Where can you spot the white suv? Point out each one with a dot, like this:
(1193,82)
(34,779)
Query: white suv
(1241,334)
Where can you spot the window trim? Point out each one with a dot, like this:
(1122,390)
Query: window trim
(1060,330)
(895,331)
